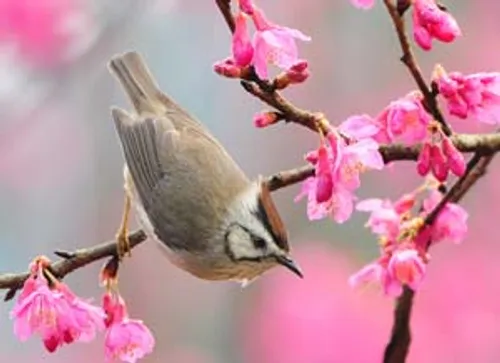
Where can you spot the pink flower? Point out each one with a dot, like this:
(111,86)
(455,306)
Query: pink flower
(424,159)
(403,266)
(406,267)
(359,127)
(429,22)
(450,224)
(241,45)
(339,206)
(386,218)
(55,313)
(440,156)
(324,176)
(476,95)
(455,158)
(274,44)
(363,4)
(247,6)
(126,339)
(405,119)
(338,167)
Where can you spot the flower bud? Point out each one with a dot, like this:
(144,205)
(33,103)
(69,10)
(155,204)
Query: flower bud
(227,68)
(265,119)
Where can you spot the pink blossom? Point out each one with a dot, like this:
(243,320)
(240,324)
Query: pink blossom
(376,272)
(439,165)
(395,268)
(359,127)
(476,95)
(324,176)
(424,159)
(126,339)
(455,158)
(429,22)
(339,206)
(274,44)
(440,156)
(450,224)
(404,119)
(407,268)
(55,313)
(337,176)
(241,45)
(247,6)
(363,4)
(384,220)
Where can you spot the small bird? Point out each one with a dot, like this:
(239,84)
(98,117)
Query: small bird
(189,194)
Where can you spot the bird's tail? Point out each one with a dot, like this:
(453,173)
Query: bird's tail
(138,83)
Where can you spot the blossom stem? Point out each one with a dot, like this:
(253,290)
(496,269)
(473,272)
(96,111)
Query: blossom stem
(410,61)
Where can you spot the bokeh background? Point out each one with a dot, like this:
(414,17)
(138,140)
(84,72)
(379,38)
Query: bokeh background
(61,181)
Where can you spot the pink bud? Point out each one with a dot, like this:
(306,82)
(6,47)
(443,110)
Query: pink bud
(247,6)
(227,68)
(297,77)
(405,203)
(407,267)
(265,119)
(424,160)
(312,157)
(429,22)
(241,43)
(324,186)
(439,165)
(456,160)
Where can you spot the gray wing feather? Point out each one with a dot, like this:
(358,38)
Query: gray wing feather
(165,162)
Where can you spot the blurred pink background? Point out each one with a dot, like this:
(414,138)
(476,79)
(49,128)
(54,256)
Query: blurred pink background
(61,180)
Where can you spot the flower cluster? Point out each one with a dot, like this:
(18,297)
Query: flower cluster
(430,21)
(48,308)
(353,147)
(271,44)
(476,95)
(339,161)
(405,238)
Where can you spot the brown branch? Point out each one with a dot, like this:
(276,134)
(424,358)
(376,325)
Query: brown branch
(73,260)
(225,9)
(399,343)
(408,58)
(76,260)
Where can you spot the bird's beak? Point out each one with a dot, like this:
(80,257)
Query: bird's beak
(290,264)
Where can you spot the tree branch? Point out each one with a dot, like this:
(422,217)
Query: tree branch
(399,343)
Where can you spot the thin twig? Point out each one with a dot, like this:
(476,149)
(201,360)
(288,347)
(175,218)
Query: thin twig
(78,259)
(225,9)
(408,58)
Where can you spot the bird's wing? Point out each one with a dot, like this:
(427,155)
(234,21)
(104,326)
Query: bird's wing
(183,176)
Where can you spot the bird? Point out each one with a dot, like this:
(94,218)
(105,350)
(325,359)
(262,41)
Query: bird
(189,194)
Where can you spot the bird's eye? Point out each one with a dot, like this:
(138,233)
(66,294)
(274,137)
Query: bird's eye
(259,243)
